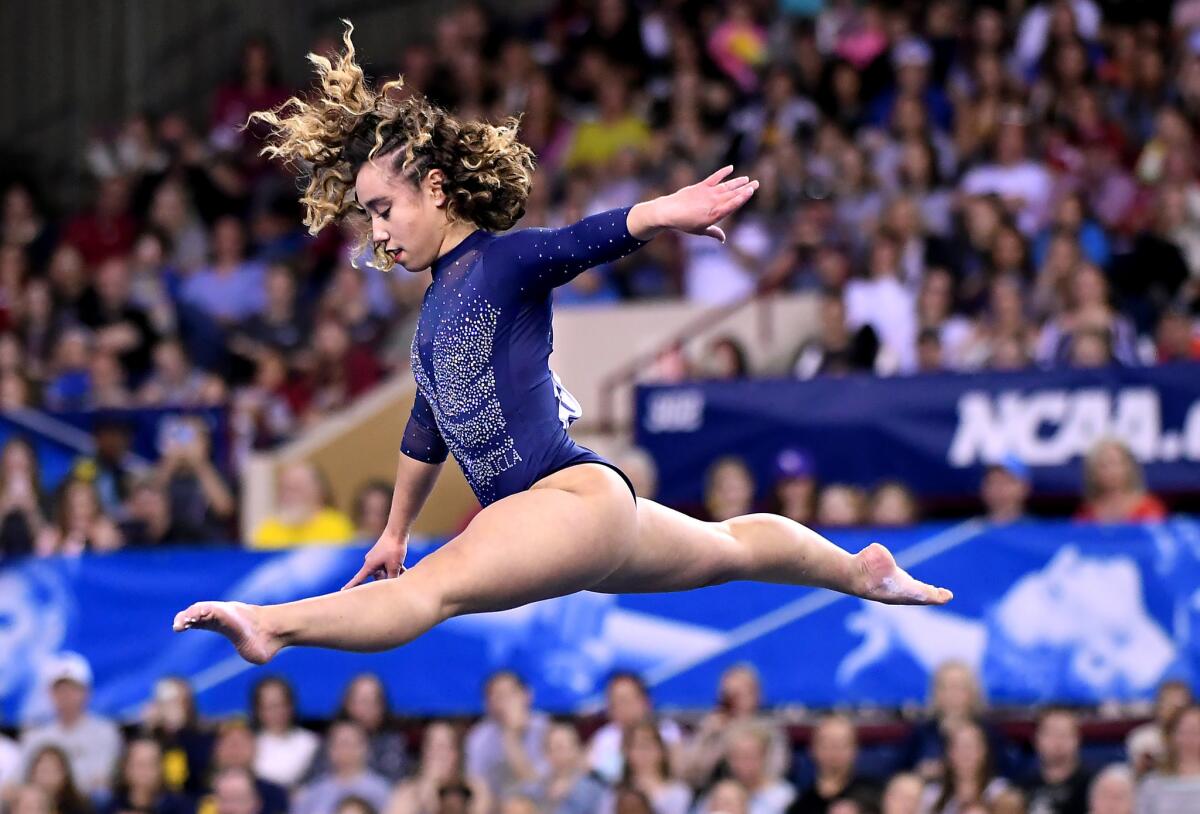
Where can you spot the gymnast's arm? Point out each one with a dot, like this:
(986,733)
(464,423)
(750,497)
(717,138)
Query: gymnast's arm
(533,261)
(423,451)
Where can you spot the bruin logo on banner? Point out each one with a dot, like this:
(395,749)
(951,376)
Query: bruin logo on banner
(1054,427)
(674,411)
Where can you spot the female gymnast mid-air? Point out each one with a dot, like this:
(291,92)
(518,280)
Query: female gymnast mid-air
(557,518)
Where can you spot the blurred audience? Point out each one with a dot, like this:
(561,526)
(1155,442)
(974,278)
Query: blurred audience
(92,742)
(506,747)
(1114,488)
(834,752)
(285,751)
(1175,786)
(304,515)
(1059,784)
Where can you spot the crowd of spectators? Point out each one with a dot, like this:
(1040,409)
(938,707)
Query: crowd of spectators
(1114,491)
(956,757)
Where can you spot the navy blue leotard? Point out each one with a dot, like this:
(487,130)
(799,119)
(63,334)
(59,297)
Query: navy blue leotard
(485,391)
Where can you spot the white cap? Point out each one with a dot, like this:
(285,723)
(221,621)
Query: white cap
(68,666)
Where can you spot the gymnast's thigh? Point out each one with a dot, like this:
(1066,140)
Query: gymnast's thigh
(566,534)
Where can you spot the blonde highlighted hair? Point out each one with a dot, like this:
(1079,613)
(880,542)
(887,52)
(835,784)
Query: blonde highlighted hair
(345,123)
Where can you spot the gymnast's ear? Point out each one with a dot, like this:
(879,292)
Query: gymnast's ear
(433,185)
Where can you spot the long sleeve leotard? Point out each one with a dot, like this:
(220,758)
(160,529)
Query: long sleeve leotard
(480,356)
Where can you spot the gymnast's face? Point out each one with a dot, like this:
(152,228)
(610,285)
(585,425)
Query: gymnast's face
(409,219)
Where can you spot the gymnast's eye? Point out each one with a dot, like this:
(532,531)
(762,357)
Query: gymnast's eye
(385,213)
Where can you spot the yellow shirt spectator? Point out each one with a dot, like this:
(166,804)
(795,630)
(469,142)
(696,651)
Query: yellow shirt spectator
(597,142)
(326,526)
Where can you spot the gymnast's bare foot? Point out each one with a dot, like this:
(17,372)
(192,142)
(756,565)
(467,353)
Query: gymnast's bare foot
(236,621)
(886,582)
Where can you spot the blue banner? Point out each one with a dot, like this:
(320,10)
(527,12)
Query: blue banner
(1049,611)
(934,432)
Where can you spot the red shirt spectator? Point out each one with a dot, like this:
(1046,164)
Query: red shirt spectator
(1114,489)
(107,231)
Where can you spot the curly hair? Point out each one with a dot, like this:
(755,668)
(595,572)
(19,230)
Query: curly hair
(346,123)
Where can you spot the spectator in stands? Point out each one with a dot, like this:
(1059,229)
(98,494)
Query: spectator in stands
(372,505)
(725,359)
(739,699)
(834,755)
(1005,491)
(648,769)
(1176,340)
(231,288)
(1059,784)
(728,489)
(304,516)
(518,804)
(1146,745)
(750,761)
(1114,487)
(171,719)
(440,767)
(93,743)
(506,747)
(107,230)
(10,762)
(68,385)
(955,698)
(175,382)
(109,468)
(1112,791)
(234,748)
(118,325)
(630,800)
(365,702)
(884,302)
(202,504)
(628,703)
(970,778)
(234,792)
(22,514)
(185,239)
(349,774)
(1086,310)
(1176,786)
(355,805)
(140,785)
(262,412)
(841,505)
(902,794)
(795,491)
(80,524)
(285,750)
(338,372)
(50,770)
(566,787)
(637,464)
(837,349)
(148,521)
(893,505)
(726,797)
(280,326)
(29,799)
(1023,183)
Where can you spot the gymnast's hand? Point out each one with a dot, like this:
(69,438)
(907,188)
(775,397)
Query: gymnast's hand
(385,560)
(695,209)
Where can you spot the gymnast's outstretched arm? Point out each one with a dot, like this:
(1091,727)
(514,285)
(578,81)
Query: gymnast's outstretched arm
(533,261)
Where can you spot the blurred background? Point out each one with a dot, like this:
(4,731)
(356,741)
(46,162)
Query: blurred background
(959,317)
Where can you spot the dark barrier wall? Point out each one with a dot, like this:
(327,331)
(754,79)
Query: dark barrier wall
(934,432)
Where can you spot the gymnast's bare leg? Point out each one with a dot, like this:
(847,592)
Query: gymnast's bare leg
(575,530)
